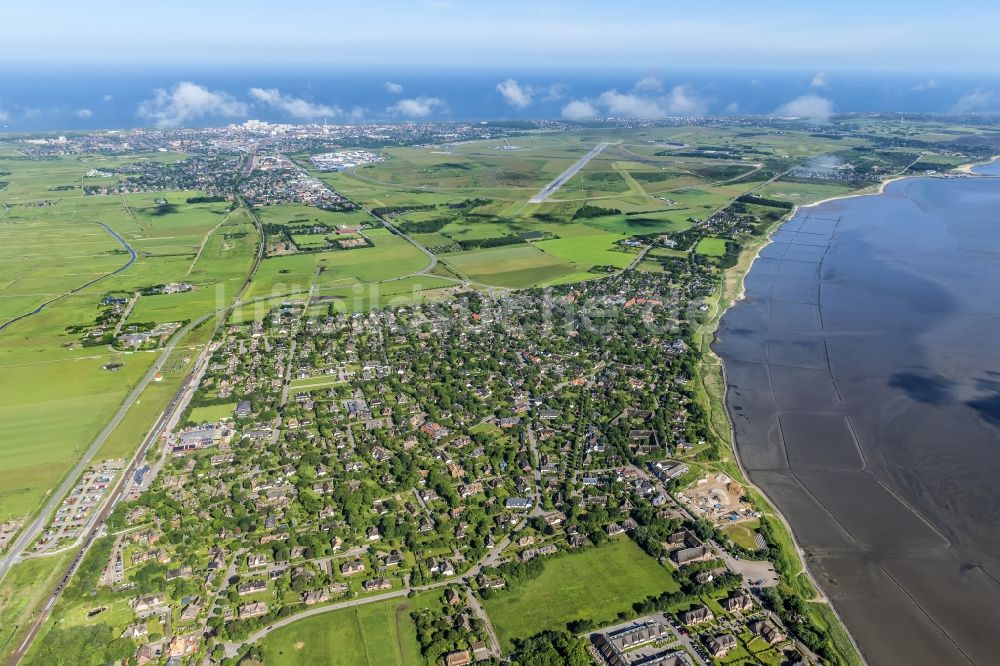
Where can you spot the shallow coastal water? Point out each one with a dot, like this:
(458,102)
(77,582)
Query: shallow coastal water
(863,373)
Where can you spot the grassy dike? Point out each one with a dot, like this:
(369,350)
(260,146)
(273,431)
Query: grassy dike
(795,579)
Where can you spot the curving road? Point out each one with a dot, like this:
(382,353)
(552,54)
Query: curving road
(232,649)
(132,257)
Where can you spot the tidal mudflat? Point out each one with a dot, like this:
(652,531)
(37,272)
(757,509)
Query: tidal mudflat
(863,373)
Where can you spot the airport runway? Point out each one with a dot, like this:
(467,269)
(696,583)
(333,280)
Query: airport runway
(567,174)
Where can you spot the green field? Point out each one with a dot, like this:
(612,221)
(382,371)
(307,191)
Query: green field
(391,257)
(597,249)
(25,586)
(711,247)
(743,533)
(515,266)
(54,395)
(804,193)
(377,634)
(212,413)
(595,584)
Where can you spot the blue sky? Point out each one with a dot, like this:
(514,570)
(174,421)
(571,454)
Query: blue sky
(118,63)
(871,35)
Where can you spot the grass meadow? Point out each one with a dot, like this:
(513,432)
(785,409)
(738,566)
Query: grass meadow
(377,634)
(595,584)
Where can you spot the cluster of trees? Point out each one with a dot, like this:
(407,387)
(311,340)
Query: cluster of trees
(550,648)
(439,635)
(764,201)
(473,243)
(82,645)
(692,592)
(213,198)
(382,211)
(425,226)
(722,171)
(470,203)
(587,211)
(793,613)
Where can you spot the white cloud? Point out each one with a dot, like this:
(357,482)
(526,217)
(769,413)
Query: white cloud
(681,100)
(733,107)
(515,94)
(417,107)
(109,98)
(649,84)
(819,81)
(393,88)
(684,101)
(554,92)
(189,101)
(930,84)
(4,116)
(976,101)
(84,113)
(292,106)
(810,107)
(579,109)
(629,105)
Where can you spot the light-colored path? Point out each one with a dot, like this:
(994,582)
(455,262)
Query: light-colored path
(561,179)
(204,241)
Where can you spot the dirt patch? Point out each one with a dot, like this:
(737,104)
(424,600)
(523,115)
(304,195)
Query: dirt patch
(719,499)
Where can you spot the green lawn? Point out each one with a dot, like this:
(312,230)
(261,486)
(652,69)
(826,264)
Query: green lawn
(803,193)
(742,534)
(596,584)
(377,634)
(212,413)
(24,586)
(392,257)
(515,266)
(597,249)
(711,247)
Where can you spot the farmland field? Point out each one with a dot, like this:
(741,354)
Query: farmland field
(55,394)
(593,250)
(391,257)
(515,266)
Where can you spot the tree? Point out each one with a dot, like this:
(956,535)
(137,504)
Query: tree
(550,648)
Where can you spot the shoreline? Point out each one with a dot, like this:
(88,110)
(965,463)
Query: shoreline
(965,169)
(968,168)
(711,330)
(709,352)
